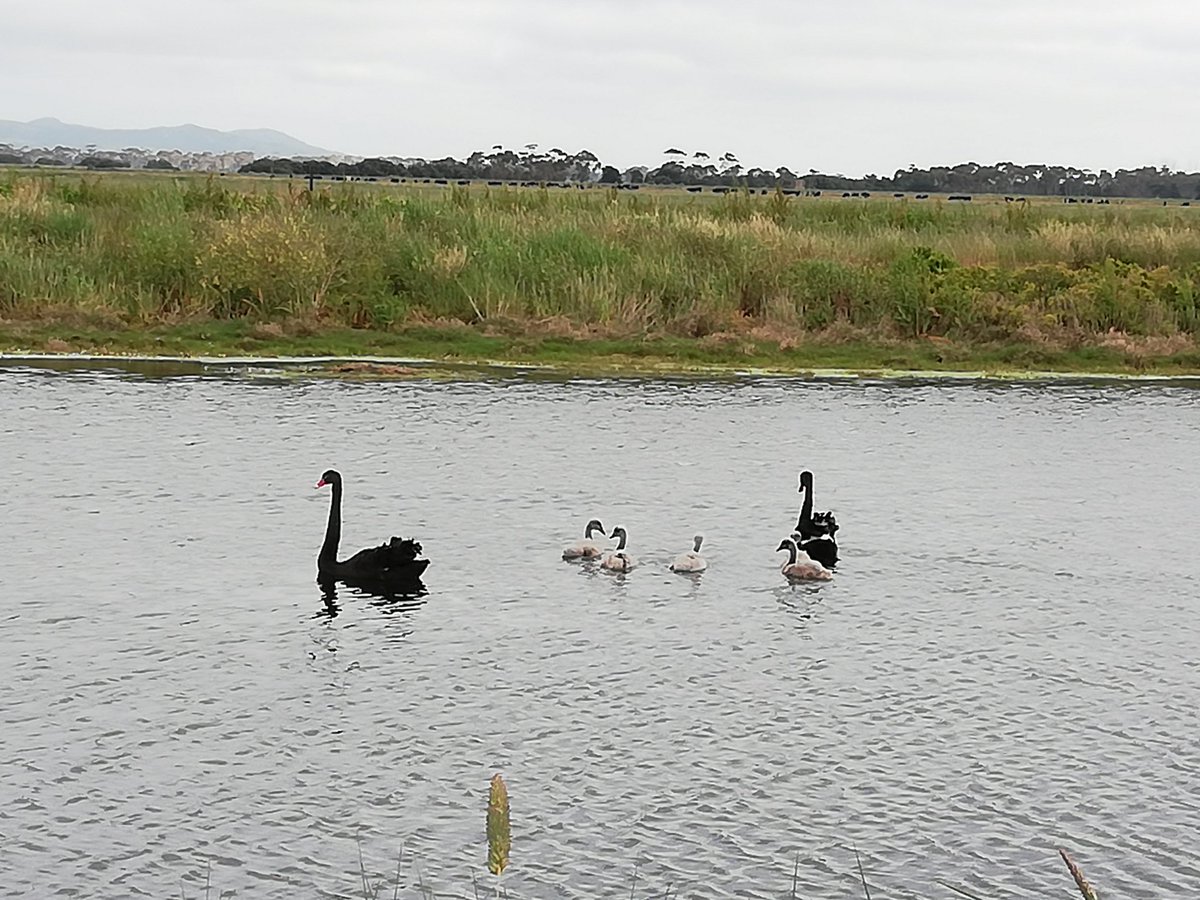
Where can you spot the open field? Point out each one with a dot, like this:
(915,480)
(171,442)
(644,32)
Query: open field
(135,261)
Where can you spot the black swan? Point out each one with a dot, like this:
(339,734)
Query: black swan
(586,548)
(810,524)
(618,560)
(392,563)
(691,561)
(800,566)
(815,532)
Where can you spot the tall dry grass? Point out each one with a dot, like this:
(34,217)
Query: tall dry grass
(162,250)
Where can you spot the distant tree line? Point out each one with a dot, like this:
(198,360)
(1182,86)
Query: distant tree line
(500,164)
(1031,180)
(103,162)
(699,169)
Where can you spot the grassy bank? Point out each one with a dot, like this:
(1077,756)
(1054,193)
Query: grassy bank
(193,265)
(465,344)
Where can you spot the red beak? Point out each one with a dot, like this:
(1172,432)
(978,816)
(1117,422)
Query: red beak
(322,483)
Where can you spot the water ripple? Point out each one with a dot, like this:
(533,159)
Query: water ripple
(1002,666)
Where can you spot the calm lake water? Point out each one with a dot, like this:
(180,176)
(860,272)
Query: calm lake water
(1005,663)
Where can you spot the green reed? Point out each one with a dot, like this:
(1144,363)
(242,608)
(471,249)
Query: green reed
(175,249)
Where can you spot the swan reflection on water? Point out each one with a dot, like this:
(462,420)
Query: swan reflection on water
(800,600)
(394,599)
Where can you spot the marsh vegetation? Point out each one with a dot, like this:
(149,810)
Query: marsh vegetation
(245,265)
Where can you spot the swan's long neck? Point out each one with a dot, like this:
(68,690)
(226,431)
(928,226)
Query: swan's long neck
(791,554)
(805,508)
(333,532)
(621,542)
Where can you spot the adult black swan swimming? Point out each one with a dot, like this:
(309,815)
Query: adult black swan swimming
(810,524)
(392,563)
(815,532)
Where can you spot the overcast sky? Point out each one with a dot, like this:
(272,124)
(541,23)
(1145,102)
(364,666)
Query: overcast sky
(851,86)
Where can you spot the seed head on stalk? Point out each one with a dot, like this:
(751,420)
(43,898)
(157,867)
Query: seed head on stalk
(1088,892)
(498,835)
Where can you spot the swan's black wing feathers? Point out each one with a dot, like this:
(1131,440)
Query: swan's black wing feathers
(401,550)
(823,549)
(396,552)
(825,523)
(820,525)
(395,556)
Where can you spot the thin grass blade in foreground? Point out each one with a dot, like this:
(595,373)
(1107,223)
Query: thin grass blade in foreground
(498,833)
(362,870)
(1088,892)
(861,874)
(962,892)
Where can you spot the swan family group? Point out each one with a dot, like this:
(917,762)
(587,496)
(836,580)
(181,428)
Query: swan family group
(811,547)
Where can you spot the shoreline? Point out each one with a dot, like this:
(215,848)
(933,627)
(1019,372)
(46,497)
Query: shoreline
(389,368)
(551,349)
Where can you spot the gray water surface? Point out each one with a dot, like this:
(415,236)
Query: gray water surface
(1005,663)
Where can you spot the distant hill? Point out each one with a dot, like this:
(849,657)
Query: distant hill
(187,138)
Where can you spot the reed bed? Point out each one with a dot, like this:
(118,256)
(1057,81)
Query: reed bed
(164,250)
